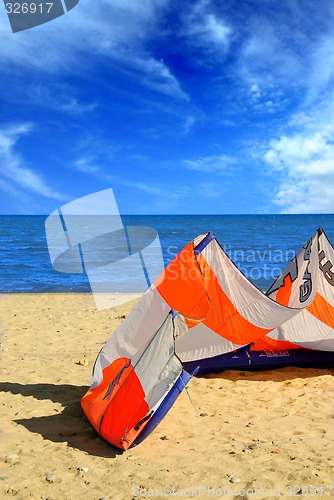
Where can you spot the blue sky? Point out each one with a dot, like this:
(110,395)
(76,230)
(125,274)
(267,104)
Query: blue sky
(195,106)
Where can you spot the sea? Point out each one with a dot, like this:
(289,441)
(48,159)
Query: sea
(260,245)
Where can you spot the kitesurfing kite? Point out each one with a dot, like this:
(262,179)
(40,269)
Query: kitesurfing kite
(203,315)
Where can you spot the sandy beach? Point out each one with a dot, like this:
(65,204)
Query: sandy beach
(231,435)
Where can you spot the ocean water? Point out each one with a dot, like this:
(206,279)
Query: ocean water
(260,245)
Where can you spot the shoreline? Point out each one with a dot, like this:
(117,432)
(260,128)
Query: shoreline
(113,299)
(236,430)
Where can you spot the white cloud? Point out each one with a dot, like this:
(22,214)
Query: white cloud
(188,125)
(89,165)
(219,164)
(16,176)
(157,76)
(210,29)
(47,94)
(205,30)
(255,89)
(209,190)
(7,187)
(145,187)
(86,165)
(304,165)
(285,55)
(74,107)
(320,79)
(116,31)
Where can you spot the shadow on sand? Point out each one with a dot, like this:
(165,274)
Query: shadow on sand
(276,375)
(69,425)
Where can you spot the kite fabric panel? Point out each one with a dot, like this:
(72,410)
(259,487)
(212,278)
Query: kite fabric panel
(202,307)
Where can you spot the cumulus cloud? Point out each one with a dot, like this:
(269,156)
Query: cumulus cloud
(304,165)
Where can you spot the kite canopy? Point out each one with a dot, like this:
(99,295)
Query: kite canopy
(200,309)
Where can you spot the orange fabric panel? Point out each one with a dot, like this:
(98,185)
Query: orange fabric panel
(183,288)
(268,344)
(124,411)
(284,292)
(93,402)
(223,318)
(127,441)
(322,310)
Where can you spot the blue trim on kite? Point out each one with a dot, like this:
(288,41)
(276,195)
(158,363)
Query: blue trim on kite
(202,244)
(174,313)
(164,407)
(261,360)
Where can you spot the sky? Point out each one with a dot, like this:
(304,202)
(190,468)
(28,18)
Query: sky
(181,107)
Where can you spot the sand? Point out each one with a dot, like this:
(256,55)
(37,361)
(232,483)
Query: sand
(231,435)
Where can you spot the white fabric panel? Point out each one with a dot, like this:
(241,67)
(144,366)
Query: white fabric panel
(311,267)
(100,364)
(325,288)
(136,331)
(323,345)
(180,327)
(157,367)
(250,302)
(306,261)
(295,324)
(307,331)
(198,240)
(277,334)
(201,342)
